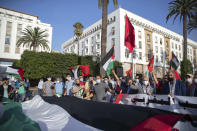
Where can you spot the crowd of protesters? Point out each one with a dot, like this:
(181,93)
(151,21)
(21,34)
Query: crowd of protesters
(101,89)
(105,89)
(15,89)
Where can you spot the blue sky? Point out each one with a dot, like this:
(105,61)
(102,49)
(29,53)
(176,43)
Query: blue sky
(62,14)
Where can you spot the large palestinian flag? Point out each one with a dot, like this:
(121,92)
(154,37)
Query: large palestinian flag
(72,114)
(108,61)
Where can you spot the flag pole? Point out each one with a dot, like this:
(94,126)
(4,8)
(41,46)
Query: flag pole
(132,65)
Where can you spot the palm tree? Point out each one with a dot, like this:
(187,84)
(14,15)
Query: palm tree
(184,9)
(78,32)
(192,23)
(104,5)
(34,38)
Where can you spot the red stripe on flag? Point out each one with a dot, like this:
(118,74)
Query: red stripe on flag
(20,72)
(129,35)
(118,98)
(163,122)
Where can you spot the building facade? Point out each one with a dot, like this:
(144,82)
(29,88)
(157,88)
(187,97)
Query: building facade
(150,39)
(12,23)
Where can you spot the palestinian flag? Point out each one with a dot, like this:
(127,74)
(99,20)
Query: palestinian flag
(18,73)
(70,113)
(174,62)
(108,61)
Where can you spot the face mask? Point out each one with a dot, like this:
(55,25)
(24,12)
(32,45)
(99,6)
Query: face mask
(81,79)
(145,82)
(170,79)
(137,80)
(58,81)
(98,81)
(106,81)
(49,79)
(69,78)
(189,80)
(195,80)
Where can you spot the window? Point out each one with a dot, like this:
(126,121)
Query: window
(161,58)
(176,46)
(92,40)
(190,51)
(161,50)
(180,47)
(148,46)
(139,34)
(87,41)
(187,51)
(149,54)
(126,53)
(112,42)
(140,45)
(176,53)
(157,59)
(18,35)
(140,55)
(86,50)
(98,36)
(98,46)
(148,38)
(156,49)
(113,31)
(161,41)
(8,33)
(156,40)
(172,45)
(180,55)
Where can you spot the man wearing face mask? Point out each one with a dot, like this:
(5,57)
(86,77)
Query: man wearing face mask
(190,86)
(47,90)
(77,90)
(173,86)
(68,85)
(100,90)
(59,87)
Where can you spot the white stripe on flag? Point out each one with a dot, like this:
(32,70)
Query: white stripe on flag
(105,66)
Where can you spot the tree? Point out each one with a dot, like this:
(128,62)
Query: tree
(192,23)
(104,5)
(78,32)
(34,38)
(184,9)
(186,68)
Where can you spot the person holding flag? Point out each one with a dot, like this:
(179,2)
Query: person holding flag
(129,40)
(174,86)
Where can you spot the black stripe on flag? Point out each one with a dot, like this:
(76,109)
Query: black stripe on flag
(107,57)
(106,116)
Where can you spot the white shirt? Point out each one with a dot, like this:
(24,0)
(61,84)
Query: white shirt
(40,84)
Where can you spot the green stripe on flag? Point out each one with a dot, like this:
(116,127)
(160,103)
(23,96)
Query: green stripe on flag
(110,67)
(14,119)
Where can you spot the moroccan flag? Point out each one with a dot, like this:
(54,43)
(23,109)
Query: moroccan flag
(85,70)
(151,64)
(18,73)
(176,74)
(129,72)
(174,62)
(108,61)
(129,35)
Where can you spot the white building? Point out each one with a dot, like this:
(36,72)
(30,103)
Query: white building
(150,39)
(12,23)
